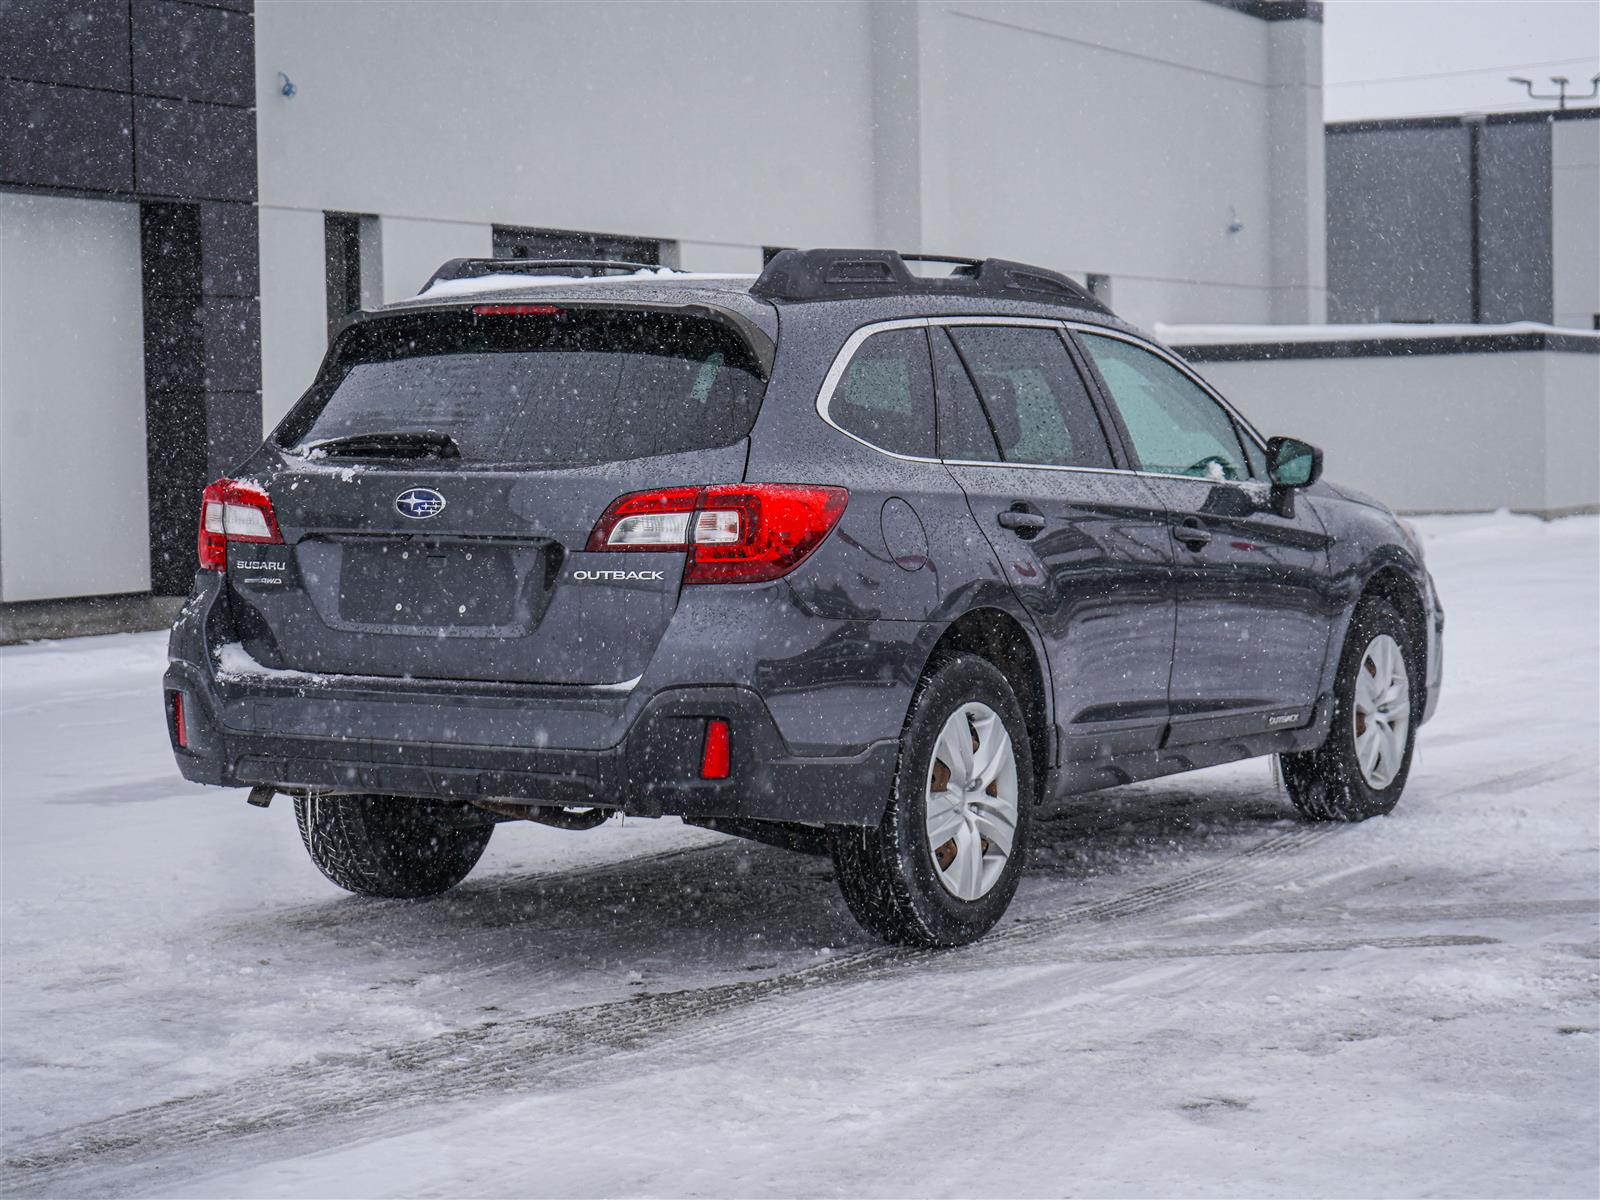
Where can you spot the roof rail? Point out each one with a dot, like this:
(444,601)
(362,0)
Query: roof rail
(477,268)
(800,275)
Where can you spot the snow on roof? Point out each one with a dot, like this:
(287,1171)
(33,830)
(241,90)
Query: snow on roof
(1219,335)
(505,281)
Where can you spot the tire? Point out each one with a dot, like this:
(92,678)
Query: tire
(1331,783)
(897,881)
(388,845)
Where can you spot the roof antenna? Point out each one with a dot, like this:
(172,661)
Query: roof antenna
(1561,96)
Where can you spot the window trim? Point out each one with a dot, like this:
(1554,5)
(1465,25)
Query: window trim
(841,363)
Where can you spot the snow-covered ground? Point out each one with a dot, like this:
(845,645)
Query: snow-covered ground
(1194,993)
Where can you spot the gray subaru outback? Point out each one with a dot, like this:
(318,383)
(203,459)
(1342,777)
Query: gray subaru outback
(847,558)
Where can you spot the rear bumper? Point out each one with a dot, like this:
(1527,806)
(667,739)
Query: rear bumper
(508,742)
(653,772)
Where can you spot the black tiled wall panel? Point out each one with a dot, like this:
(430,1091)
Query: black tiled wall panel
(230,258)
(232,419)
(81,42)
(65,137)
(189,52)
(197,151)
(231,326)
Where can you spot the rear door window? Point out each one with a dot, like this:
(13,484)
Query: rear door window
(570,388)
(1037,405)
(1175,426)
(885,395)
(963,429)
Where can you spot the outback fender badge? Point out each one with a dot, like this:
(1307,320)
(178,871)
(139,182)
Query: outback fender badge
(419,503)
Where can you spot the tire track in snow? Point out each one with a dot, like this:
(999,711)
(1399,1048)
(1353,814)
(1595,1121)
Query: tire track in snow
(539,1053)
(1272,862)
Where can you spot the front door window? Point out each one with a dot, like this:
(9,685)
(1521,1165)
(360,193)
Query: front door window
(1176,428)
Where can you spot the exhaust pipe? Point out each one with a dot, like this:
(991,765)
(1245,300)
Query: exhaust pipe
(560,818)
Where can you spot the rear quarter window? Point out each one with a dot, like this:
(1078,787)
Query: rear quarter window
(575,388)
(885,395)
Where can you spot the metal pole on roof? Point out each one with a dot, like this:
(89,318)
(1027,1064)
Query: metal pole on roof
(1474,123)
(1561,96)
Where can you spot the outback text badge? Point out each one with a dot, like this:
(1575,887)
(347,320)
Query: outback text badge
(419,503)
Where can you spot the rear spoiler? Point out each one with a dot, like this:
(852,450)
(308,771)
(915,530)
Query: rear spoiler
(795,276)
(760,343)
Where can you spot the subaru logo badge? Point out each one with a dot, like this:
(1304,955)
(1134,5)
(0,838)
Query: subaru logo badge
(419,503)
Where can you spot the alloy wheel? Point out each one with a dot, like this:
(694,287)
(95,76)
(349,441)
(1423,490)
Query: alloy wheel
(1381,715)
(971,808)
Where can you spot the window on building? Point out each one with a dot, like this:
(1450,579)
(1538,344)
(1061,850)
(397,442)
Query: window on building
(348,238)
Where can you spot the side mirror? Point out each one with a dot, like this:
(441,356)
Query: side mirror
(1292,463)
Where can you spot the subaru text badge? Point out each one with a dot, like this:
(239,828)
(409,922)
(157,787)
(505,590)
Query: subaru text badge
(419,503)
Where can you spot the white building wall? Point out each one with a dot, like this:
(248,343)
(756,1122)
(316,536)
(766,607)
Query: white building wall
(1437,432)
(1096,136)
(1125,140)
(1571,431)
(74,499)
(1575,221)
(412,250)
(294,306)
(690,120)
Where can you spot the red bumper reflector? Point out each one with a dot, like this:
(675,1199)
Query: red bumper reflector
(180,729)
(716,760)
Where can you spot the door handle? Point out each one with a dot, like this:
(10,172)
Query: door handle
(1189,532)
(1021,521)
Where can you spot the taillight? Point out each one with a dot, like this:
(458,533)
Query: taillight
(751,533)
(733,533)
(233,512)
(656,520)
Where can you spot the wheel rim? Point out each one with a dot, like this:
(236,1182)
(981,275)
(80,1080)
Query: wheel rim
(1381,717)
(971,807)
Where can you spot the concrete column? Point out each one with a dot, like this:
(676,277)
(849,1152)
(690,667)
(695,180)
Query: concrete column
(897,167)
(1297,232)
(1575,222)
(294,309)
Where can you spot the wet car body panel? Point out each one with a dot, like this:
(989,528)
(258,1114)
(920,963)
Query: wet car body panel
(816,669)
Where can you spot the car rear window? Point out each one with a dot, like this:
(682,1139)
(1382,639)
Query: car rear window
(571,388)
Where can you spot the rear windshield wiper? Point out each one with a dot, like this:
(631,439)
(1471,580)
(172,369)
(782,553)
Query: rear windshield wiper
(398,443)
